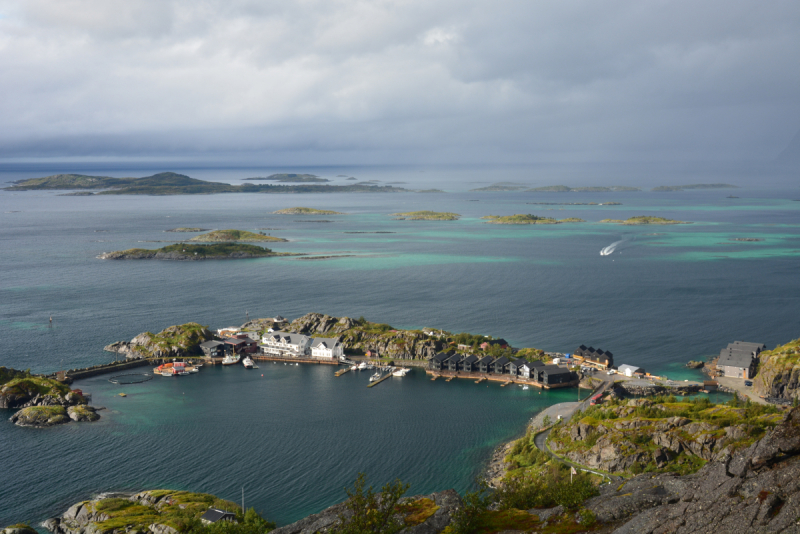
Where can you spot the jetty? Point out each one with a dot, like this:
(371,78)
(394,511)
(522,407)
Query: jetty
(340,372)
(381,379)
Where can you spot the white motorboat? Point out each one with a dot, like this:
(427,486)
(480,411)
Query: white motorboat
(524,388)
(362,366)
(376,376)
(354,368)
(401,372)
(247,362)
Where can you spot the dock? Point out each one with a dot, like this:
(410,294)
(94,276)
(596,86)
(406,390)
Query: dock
(481,379)
(381,379)
(340,372)
(449,378)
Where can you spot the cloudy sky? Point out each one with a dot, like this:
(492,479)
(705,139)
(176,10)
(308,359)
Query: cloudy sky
(381,81)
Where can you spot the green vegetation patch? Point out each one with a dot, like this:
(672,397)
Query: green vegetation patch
(306,211)
(234,235)
(428,216)
(33,385)
(418,511)
(527,219)
(190,251)
(644,219)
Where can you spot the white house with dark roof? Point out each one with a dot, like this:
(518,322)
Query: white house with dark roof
(738,359)
(327,348)
(285,344)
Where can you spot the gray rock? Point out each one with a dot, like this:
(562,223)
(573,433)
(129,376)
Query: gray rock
(157,528)
(546,513)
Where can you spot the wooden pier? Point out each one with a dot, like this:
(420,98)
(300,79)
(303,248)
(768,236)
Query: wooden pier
(506,379)
(481,379)
(381,379)
(340,372)
(265,358)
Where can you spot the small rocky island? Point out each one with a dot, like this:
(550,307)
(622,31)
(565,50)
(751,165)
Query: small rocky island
(590,189)
(291,177)
(234,236)
(670,188)
(42,401)
(427,216)
(305,211)
(187,230)
(191,252)
(643,219)
(527,219)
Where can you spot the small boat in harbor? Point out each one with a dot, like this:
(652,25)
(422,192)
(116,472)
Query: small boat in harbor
(376,376)
(524,388)
(230,359)
(354,368)
(247,362)
(401,372)
(362,366)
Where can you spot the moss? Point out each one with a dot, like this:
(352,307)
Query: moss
(418,511)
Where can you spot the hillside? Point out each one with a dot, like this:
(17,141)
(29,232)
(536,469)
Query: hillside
(779,372)
(179,341)
(241,236)
(660,434)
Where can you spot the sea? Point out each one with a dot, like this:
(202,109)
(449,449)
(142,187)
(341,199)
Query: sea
(291,438)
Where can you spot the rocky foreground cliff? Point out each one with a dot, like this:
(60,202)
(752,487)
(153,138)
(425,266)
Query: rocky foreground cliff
(41,401)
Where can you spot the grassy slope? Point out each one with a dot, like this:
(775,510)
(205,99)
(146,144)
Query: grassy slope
(776,361)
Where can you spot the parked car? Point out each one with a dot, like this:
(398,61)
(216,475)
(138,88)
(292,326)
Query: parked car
(748,383)
(611,372)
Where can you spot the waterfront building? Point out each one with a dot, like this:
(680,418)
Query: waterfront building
(738,359)
(597,357)
(453,361)
(502,343)
(530,369)
(499,366)
(514,366)
(213,349)
(326,348)
(469,364)
(630,370)
(437,363)
(285,344)
(485,364)
(553,374)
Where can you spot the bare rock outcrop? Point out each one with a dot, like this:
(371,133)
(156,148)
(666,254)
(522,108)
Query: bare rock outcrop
(176,341)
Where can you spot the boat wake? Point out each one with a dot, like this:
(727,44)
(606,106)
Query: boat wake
(607,251)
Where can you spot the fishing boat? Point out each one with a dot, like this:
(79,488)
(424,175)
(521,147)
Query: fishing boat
(247,362)
(376,376)
(230,359)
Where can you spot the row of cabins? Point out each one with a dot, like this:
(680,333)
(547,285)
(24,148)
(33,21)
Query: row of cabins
(277,344)
(595,357)
(536,370)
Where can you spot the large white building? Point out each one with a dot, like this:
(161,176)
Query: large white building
(288,344)
(326,348)
(285,344)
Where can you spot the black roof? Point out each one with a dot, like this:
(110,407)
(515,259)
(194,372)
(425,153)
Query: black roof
(486,359)
(455,358)
(471,359)
(211,344)
(536,363)
(501,361)
(555,370)
(442,356)
(582,347)
(235,341)
(213,515)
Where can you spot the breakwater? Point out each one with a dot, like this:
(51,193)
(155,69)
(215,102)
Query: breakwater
(87,372)
(508,379)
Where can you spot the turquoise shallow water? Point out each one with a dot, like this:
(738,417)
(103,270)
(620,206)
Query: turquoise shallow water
(296,437)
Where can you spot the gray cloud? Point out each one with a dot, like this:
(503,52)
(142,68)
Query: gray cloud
(414,80)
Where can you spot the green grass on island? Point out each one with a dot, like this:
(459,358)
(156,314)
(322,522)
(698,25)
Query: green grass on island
(306,211)
(428,216)
(502,186)
(665,188)
(592,189)
(234,236)
(17,383)
(527,219)
(188,251)
(644,219)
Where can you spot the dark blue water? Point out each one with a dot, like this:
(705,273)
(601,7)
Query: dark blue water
(296,437)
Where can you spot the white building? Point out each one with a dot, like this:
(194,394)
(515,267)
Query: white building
(228,332)
(629,370)
(326,348)
(285,344)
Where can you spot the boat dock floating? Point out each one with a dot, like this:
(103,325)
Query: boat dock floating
(378,381)
(481,379)
(340,372)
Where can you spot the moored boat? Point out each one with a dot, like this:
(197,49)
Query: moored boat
(230,359)
(247,362)
(376,376)
(362,366)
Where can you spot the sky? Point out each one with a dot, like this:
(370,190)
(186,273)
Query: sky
(399,82)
